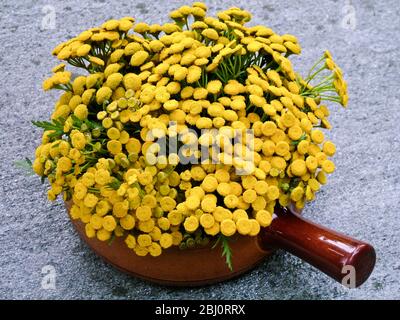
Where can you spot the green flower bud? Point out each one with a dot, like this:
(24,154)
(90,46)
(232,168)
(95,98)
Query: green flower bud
(84,127)
(190,243)
(96,132)
(132,157)
(158,212)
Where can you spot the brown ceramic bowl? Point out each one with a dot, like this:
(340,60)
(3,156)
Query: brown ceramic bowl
(325,249)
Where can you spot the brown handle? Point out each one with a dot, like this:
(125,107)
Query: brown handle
(345,259)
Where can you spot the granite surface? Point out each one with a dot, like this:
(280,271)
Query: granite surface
(362,198)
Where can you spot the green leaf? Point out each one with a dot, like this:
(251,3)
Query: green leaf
(226,250)
(93,125)
(111,240)
(25,165)
(76,121)
(141,191)
(294,182)
(90,124)
(115,184)
(296,142)
(56,125)
(216,243)
(93,190)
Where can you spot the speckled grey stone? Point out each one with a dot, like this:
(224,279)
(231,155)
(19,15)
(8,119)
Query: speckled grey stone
(362,198)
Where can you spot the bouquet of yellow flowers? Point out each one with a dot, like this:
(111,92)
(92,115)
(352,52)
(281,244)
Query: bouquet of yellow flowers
(180,133)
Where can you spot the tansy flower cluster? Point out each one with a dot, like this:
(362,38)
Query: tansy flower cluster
(200,73)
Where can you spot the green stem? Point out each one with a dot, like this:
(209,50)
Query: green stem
(315,65)
(308,79)
(325,80)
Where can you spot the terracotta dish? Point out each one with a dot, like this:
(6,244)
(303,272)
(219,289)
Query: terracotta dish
(327,250)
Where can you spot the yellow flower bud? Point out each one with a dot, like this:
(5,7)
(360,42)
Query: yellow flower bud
(166,240)
(125,25)
(138,58)
(255,228)
(78,140)
(209,184)
(264,218)
(317,136)
(297,194)
(130,241)
(81,112)
(78,85)
(328,166)
(103,94)
(329,148)
(127,222)
(193,74)
(208,204)
(210,34)
(298,167)
(155,249)
(109,223)
(273,192)
(192,202)
(228,227)
(96,60)
(90,231)
(90,200)
(191,224)
(144,240)
(282,148)
(207,220)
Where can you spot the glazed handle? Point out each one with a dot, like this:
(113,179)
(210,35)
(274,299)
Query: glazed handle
(343,258)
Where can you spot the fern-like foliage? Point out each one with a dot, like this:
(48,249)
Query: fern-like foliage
(56,125)
(226,250)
